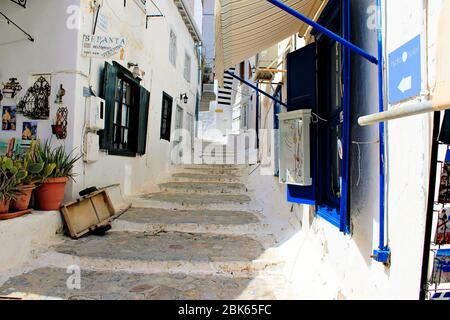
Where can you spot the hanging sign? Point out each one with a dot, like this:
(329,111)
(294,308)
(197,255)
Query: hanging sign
(405,71)
(97,46)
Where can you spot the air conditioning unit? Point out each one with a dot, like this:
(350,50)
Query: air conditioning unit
(96,116)
(295,148)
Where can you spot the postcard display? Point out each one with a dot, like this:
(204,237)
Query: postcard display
(440,276)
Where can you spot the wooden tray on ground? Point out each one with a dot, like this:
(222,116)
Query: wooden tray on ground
(8,216)
(91,212)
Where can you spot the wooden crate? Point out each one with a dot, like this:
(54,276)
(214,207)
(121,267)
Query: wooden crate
(88,213)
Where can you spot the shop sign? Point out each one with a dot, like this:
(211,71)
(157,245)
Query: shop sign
(98,46)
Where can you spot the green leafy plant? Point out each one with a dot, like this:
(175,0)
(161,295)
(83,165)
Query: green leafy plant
(57,163)
(9,189)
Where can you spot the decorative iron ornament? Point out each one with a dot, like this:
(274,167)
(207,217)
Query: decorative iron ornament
(22,3)
(12,87)
(35,104)
(60,127)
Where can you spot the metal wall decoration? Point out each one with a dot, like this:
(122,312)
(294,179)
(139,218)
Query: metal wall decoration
(59,129)
(59,96)
(35,104)
(11,88)
(22,3)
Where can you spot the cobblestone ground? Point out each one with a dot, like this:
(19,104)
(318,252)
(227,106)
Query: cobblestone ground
(196,239)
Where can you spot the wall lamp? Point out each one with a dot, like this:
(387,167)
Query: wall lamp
(184,97)
(136,71)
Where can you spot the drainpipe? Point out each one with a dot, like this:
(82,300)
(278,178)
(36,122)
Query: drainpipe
(383,253)
(257,115)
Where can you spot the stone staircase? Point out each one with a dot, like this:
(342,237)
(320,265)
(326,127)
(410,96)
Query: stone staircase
(198,238)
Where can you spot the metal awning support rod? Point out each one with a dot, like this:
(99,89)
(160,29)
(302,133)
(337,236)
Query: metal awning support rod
(9,21)
(256,88)
(398,113)
(325,31)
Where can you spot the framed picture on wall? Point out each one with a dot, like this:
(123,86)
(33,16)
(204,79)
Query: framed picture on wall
(9,118)
(29,130)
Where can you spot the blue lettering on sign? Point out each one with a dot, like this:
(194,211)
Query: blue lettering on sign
(405,71)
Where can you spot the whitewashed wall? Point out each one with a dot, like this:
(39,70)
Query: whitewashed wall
(54,52)
(326,264)
(57,50)
(150,49)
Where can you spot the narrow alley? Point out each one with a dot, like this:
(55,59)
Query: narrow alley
(200,238)
(225,150)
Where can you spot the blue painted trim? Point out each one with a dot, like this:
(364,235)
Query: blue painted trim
(344,225)
(381,255)
(324,30)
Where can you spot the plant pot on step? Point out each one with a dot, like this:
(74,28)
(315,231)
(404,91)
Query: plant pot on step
(50,194)
(23,199)
(4,206)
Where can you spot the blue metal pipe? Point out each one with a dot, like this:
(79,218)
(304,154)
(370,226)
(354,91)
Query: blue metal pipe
(256,88)
(344,223)
(383,252)
(324,30)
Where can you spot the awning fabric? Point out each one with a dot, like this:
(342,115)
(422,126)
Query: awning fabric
(247,27)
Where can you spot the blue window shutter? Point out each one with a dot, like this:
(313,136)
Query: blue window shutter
(301,90)
(109,94)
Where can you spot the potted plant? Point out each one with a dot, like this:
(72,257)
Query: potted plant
(8,191)
(58,165)
(29,172)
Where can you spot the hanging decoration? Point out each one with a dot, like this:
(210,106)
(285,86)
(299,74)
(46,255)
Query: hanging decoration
(22,3)
(59,96)
(35,104)
(11,88)
(59,129)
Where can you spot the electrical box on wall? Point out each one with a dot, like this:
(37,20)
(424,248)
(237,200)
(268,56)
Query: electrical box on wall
(91,148)
(96,114)
(295,148)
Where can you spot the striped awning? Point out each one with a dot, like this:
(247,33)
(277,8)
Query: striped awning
(247,27)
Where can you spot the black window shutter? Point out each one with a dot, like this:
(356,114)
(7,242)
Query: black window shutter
(144,104)
(166,117)
(109,94)
(301,90)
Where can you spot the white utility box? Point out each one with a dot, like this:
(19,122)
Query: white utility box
(92,148)
(96,114)
(295,148)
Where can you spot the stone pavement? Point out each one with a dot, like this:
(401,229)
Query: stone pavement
(197,239)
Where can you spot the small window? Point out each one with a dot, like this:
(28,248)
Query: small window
(166,116)
(126,118)
(187,68)
(173,48)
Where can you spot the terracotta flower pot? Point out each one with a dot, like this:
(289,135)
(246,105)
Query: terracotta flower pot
(23,200)
(4,206)
(50,194)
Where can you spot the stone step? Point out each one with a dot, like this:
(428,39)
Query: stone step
(192,200)
(155,220)
(163,252)
(203,187)
(51,283)
(201,177)
(214,171)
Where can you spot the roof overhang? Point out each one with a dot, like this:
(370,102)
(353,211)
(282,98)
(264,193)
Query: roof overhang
(188,19)
(247,27)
